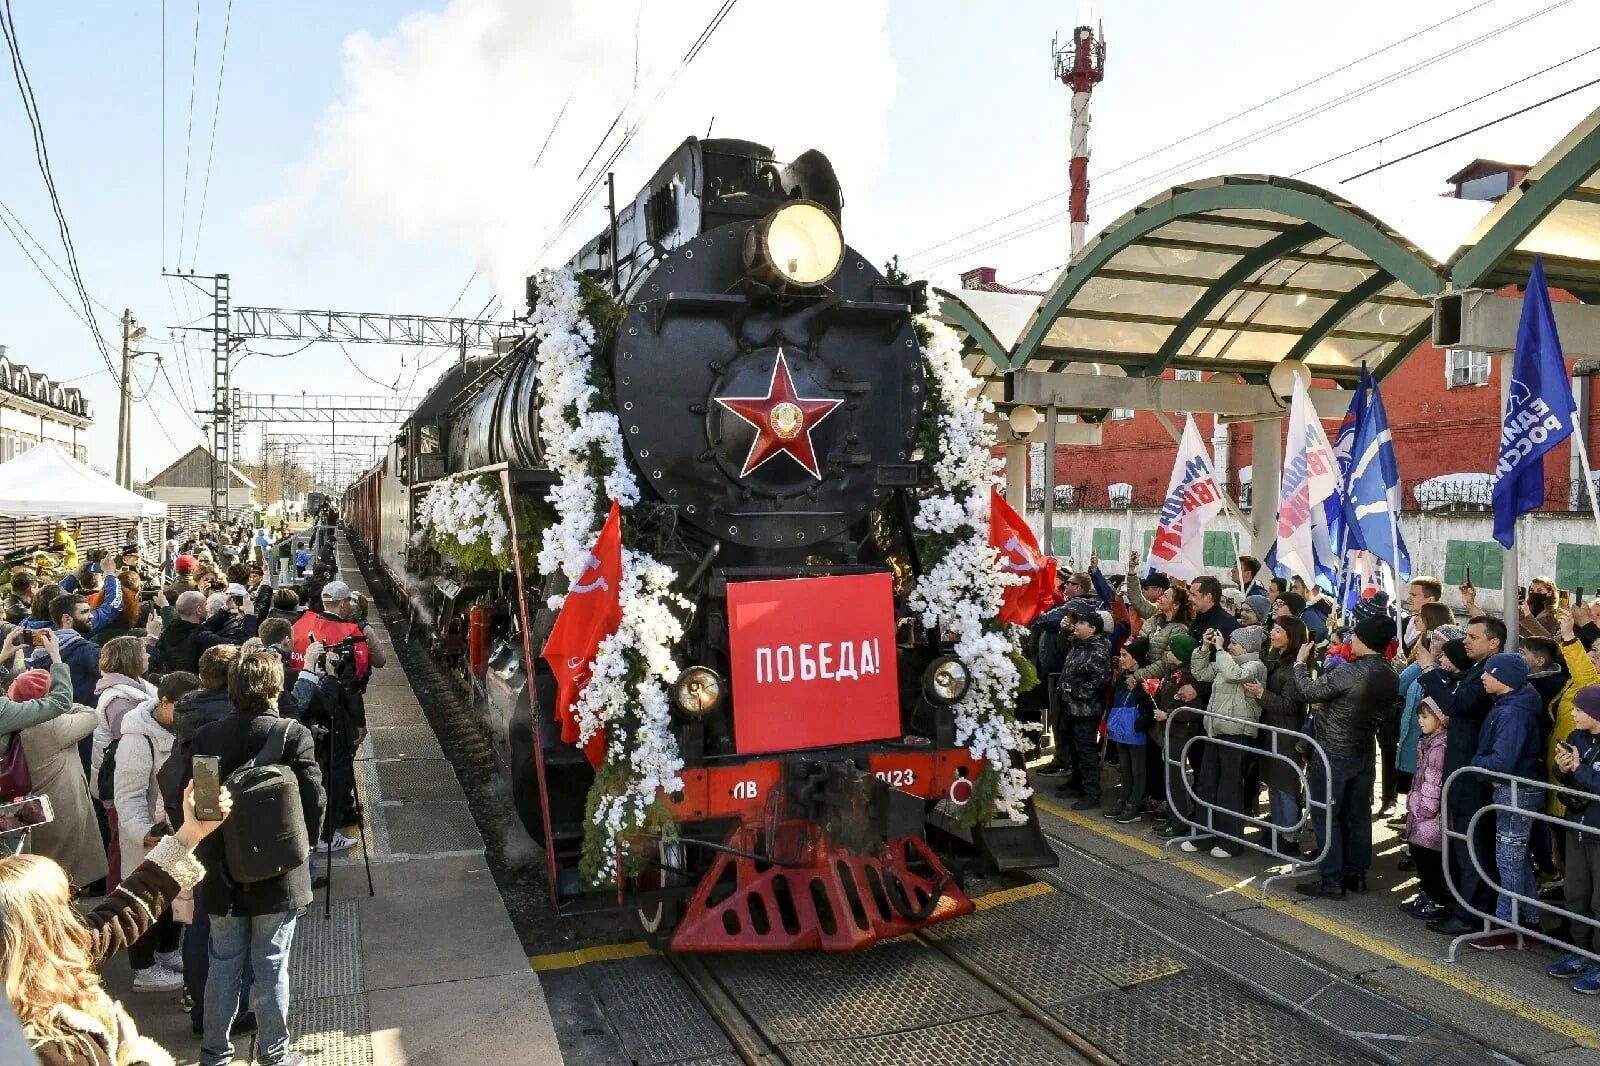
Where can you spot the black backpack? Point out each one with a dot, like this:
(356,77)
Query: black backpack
(265,835)
(106,782)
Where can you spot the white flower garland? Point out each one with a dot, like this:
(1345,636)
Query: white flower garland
(462,509)
(584,447)
(961,593)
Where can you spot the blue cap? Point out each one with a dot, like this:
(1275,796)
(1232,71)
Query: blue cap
(1508,668)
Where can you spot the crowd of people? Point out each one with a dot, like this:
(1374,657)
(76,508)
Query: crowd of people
(121,675)
(1257,715)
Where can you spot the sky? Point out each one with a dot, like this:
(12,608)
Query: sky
(403,157)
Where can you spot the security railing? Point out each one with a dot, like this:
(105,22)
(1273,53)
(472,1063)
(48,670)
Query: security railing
(1282,739)
(1519,786)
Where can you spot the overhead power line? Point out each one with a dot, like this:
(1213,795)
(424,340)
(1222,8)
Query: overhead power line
(211,148)
(188,137)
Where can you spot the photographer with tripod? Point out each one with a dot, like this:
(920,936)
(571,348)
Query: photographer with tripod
(351,656)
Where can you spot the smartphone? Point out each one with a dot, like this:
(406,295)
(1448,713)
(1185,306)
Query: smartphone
(207,789)
(1563,599)
(237,601)
(1577,595)
(1468,581)
(28,812)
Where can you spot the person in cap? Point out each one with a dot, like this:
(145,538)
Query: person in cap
(1233,712)
(183,567)
(1176,723)
(234,614)
(1355,697)
(1127,724)
(1425,815)
(1255,611)
(1509,743)
(339,621)
(1578,766)
(1081,692)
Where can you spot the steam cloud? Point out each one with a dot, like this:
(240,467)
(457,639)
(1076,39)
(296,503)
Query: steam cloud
(439,129)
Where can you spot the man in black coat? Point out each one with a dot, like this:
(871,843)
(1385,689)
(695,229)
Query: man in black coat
(1205,595)
(187,636)
(252,924)
(1467,704)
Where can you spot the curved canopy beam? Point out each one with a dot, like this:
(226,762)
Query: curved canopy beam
(1341,309)
(1292,201)
(951,306)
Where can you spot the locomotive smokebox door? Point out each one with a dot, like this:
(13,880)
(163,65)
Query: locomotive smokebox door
(763,418)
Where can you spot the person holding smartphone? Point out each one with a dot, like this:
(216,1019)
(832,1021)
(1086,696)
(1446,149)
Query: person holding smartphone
(1577,765)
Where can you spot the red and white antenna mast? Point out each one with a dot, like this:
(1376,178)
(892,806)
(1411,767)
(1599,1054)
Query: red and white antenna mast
(1080,66)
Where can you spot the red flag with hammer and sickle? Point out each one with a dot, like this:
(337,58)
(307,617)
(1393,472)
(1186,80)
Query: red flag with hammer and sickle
(591,612)
(1019,554)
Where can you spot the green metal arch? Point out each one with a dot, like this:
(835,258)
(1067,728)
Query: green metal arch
(1336,314)
(1334,221)
(1218,290)
(1536,201)
(962,315)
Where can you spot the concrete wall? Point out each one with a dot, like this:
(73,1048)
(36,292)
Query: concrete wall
(1428,537)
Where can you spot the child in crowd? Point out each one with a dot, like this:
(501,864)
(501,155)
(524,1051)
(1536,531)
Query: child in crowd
(1509,743)
(1424,815)
(1578,766)
(1126,723)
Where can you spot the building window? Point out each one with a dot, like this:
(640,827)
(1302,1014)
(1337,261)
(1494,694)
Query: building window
(1188,375)
(1061,542)
(1465,368)
(1221,548)
(1577,566)
(1121,414)
(1107,544)
(1484,557)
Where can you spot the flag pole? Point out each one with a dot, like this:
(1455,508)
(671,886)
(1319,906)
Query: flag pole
(1588,473)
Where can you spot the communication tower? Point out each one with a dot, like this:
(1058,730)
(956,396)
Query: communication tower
(1080,65)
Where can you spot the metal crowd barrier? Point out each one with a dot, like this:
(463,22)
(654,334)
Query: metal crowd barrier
(1297,864)
(1496,926)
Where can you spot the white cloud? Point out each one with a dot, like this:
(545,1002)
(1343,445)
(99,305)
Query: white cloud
(439,123)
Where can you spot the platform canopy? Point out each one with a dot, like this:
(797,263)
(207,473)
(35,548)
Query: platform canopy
(1238,273)
(46,482)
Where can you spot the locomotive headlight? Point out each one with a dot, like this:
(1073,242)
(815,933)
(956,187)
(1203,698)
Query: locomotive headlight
(946,679)
(799,244)
(697,691)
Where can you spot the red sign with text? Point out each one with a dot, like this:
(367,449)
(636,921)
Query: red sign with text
(813,662)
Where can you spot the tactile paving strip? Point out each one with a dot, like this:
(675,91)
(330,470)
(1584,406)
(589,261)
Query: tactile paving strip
(333,1030)
(1240,1020)
(657,1017)
(326,958)
(414,780)
(431,828)
(816,996)
(1044,971)
(988,1040)
(405,742)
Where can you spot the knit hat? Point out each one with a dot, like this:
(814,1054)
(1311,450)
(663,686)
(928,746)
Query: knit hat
(1182,645)
(1248,638)
(1375,631)
(1588,701)
(1295,602)
(1455,650)
(1430,704)
(1374,606)
(1508,668)
(1260,605)
(183,564)
(1448,632)
(1156,580)
(30,685)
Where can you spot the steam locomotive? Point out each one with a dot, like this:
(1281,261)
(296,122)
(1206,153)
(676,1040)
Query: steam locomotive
(769,384)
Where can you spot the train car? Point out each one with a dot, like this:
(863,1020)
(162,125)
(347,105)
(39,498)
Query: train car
(771,418)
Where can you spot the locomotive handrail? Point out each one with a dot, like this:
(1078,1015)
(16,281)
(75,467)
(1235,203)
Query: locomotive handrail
(1297,863)
(1518,900)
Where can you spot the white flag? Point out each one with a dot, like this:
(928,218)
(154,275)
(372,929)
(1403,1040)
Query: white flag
(1310,476)
(1193,499)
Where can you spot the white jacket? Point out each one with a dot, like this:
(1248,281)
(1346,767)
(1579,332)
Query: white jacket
(134,693)
(146,743)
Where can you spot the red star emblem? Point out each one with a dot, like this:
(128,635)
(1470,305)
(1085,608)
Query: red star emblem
(782,420)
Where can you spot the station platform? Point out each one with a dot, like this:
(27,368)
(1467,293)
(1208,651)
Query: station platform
(1359,962)
(426,970)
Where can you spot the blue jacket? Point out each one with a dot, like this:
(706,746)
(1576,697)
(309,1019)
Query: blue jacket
(110,604)
(1585,777)
(1509,739)
(83,656)
(1405,756)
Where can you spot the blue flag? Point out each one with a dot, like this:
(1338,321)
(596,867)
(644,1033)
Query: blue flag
(1371,496)
(1539,410)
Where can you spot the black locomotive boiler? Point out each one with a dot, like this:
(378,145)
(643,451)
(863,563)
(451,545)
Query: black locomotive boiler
(769,384)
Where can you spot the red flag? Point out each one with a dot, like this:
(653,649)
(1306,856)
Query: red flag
(1019,551)
(592,611)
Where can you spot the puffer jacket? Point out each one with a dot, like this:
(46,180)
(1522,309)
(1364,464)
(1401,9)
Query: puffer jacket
(1158,631)
(1085,673)
(1585,777)
(1354,698)
(118,694)
(1405,758)
(1235,709)
(1509,741)
(1280,707)
(146,745)
(1580,674)
(1424,821)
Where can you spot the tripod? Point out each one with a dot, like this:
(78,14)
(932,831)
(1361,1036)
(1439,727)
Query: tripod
(340,752)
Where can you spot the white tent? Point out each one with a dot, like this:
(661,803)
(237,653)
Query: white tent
(46,482)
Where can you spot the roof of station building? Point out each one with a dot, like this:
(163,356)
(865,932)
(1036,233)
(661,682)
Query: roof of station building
(1237,273)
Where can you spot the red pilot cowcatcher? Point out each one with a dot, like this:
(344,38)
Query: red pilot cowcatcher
(782,419)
